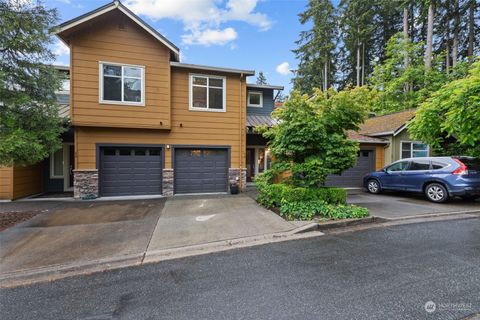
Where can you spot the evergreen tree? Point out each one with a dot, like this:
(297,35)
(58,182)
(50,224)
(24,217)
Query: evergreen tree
(30,127)
(316,51)
(261,79)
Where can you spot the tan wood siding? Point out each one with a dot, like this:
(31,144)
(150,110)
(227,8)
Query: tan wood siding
(6,183)
(27,181)
(106,41)
(187,127)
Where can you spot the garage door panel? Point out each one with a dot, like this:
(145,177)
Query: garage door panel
(353,177)
(127,174)
(200,170)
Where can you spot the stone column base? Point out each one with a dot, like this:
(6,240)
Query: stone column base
(85,183)
(167,182)
(239,176)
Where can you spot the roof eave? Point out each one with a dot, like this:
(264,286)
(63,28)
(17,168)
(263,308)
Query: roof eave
(211,68)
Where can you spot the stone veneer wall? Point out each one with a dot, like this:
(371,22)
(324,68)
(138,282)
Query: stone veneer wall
(234,173)
(85,183)
(167,182)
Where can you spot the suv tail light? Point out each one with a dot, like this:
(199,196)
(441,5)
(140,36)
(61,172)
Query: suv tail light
(463,169)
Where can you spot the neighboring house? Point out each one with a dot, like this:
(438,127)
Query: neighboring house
(142,122)
(393,128)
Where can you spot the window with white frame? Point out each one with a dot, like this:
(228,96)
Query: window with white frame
(122,84)
(413,149)
(255,99)
(207,93)
(56,164)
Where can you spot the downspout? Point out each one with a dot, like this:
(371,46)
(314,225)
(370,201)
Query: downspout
(240,180)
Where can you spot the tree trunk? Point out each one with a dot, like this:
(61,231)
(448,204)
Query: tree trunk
(325,83)
(471,27)
(363,63)
(428,50)
(405,33)
(358,63)
(456,26)
(447,39)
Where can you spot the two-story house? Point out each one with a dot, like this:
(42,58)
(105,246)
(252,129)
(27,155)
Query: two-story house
(142,122)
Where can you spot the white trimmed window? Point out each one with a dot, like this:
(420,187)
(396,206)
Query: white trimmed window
(56,164)
(122,84)
(255,99)
(413,149)
(207,93)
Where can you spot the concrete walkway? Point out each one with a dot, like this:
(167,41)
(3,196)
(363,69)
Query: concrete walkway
(69,234)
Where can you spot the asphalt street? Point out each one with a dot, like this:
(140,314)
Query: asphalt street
(380,273)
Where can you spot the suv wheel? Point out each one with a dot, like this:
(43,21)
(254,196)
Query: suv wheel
(373,186)
(435,192)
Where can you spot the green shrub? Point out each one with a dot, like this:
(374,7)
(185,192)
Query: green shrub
(306,210)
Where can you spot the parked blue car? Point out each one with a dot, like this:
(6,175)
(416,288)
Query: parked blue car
(439,178)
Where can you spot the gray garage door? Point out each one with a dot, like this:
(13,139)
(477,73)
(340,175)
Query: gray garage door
(130,171)
(353,177)
(200,170)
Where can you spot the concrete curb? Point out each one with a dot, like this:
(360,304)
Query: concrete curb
(55,272)
(433,215)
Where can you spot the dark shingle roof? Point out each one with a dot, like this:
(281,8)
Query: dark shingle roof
(386,124)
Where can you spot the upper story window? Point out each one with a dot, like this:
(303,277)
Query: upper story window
(207,93)
(255,99)
(411,149)
(122,84)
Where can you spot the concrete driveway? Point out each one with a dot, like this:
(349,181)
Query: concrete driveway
(82,232)
(392,205)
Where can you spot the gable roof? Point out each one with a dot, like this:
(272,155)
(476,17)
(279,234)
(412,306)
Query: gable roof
(389,124)
(352,135)
(116,5)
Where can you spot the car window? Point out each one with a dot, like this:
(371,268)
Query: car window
(439,165)
(399,166)
(417,165)
(472,164)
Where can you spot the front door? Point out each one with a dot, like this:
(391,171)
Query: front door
(250,164)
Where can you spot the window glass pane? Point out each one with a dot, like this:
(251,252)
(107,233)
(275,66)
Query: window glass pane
(154,152)
(199,99)
(132,72)
(406,146)
(405,154)
(215,98)
(399,166)
(254,98)
(200,81)
(112,89)
(471,163)
(109,152)
(261,160)
(140,152)
(419,146)
(110,70)
(268,158)
(66,85)
(438,165)
(132,90)
(419,165)
(125,152)
(417,154)
(58,163)
(215,82)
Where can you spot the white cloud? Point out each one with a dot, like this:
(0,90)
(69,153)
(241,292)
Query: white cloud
(202,18)
(210,37)
(283,68)
(60,49)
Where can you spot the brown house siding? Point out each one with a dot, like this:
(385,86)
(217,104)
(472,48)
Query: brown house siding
(6,183)
(188,127)
(116,39)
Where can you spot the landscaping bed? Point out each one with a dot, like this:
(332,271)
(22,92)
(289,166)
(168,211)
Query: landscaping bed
(298,203)
(9,219)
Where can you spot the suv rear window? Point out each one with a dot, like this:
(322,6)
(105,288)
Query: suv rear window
(438,165)
(471,163)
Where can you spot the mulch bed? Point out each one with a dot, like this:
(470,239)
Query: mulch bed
(9,219)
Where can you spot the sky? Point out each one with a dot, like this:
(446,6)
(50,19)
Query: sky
(246,34)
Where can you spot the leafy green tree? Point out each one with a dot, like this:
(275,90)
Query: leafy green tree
(261,79)
(30,127)
(316,47)
(449,121)
(311,138)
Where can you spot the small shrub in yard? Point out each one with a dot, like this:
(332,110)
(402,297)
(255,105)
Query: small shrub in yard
(306,210)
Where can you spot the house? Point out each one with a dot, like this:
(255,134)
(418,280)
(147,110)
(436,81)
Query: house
(393,128)
(142,122)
